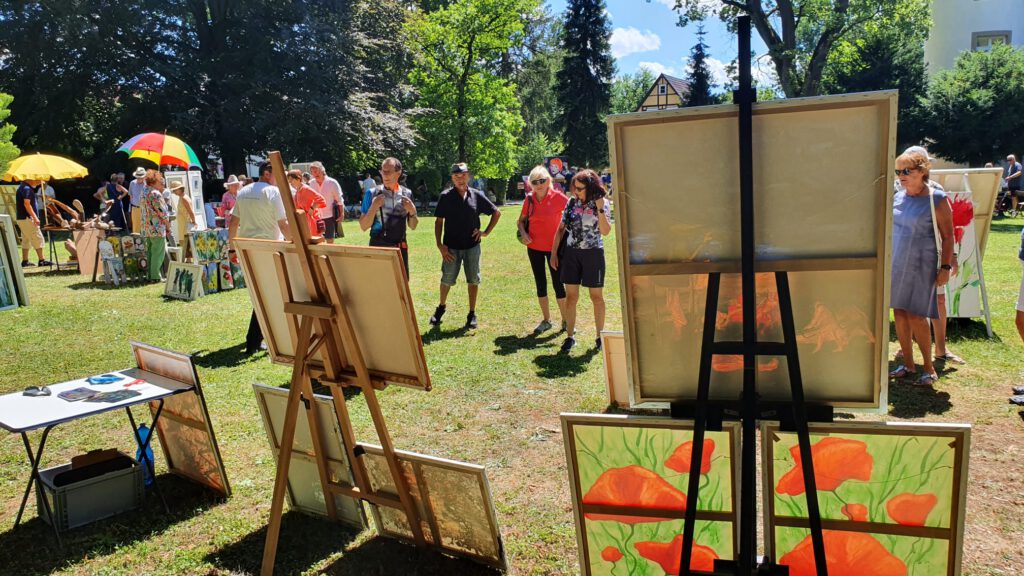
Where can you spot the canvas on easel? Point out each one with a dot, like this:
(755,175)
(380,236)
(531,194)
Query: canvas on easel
(9,246)
(304,491)
(892,496)
(185,428)
(628,476)
(673,237)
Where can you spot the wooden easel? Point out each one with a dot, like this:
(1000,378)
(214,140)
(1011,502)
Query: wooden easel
(334,328)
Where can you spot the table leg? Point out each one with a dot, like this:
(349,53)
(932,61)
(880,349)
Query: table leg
(143,445)
(34,477)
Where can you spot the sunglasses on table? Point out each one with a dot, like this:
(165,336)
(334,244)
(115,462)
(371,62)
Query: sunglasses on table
(539,181)
(905,171)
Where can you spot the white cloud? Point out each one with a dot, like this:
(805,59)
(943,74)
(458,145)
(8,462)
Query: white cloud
(762,71)
(657,68)
(626,41)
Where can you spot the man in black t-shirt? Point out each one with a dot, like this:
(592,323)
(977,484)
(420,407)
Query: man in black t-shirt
(28,222)
(458,218)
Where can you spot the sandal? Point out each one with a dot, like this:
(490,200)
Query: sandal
(1018,400)
(950,357)
(927,380)
(898,356)
(902,371)
(1018,390)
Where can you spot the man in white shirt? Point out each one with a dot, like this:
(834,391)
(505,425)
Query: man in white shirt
(258,213)
(331,191)
(136,189)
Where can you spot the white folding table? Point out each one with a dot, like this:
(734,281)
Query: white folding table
(22,414)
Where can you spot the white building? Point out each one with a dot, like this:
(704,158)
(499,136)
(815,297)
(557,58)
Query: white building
(960,25)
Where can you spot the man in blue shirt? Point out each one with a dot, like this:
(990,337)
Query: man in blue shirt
(28,221)
(1013,178)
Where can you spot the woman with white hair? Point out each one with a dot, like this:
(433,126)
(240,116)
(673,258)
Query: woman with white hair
(922,252)
(538,221)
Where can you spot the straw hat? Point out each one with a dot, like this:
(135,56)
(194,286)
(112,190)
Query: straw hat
(139,172)
(232,181)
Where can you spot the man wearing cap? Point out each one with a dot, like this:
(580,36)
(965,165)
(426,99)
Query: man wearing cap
(329,188)
(259,213)
(136,190)
(387,209)
(458,217)
(28,222)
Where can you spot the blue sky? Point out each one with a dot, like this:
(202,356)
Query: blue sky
(644,33)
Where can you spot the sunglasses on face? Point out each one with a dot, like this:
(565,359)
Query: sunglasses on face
(539,181)
(905,171)
(579,188)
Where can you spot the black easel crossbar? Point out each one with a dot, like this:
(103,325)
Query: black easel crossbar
(750,409)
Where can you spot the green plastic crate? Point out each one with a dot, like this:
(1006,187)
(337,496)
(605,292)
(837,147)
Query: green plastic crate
(90,499)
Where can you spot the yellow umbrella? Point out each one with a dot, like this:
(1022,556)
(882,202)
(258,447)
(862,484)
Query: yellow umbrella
(43,167)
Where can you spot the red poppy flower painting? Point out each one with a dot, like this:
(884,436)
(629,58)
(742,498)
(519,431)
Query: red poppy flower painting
(836,460)
(855,512)
(633,486)
(846,554)
(683,454)
(668,554)
(911,509)
(963,214)
(611,554)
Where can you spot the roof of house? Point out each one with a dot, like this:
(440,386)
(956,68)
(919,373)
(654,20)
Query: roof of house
(682,87)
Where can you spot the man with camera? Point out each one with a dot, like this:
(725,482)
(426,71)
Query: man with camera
(387,209)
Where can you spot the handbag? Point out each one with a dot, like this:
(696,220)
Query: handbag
(526,223)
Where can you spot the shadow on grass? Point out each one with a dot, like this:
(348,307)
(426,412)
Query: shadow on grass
(1004,224)
(303,542)
(31,548)
(100,285)
(507,345)
(559,365)
(436,333)
(909,401)
(229,356)
(384,557)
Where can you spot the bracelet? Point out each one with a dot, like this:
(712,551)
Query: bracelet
(946,267)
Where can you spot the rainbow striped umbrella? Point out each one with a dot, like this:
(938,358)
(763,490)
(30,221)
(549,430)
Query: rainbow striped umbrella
(161,149)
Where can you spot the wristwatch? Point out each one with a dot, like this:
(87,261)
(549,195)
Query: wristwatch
(946,267)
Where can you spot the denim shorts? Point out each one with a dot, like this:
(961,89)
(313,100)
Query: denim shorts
(468,259)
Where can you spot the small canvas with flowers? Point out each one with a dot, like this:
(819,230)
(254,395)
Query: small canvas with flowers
(892,498)
(628,476)
(227,281)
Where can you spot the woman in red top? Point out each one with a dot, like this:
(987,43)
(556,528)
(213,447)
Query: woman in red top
(308,200)
(542,211)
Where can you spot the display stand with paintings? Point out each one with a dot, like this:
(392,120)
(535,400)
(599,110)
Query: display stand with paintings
(972,195)
(332,312)
(725,320)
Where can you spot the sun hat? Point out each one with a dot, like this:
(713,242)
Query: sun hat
(231,181)
(139,172)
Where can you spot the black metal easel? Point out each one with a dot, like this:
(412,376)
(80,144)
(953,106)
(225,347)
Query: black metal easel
(750,409)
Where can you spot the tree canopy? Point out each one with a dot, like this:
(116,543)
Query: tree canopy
(584,85)
(971,113)
(8,151)
(698,74)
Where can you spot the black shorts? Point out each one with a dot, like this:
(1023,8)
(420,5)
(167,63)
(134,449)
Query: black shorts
(330,227)
(582,266)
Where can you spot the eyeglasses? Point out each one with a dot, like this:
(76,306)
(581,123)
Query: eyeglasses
(579,188)
(539,181)
(905,171)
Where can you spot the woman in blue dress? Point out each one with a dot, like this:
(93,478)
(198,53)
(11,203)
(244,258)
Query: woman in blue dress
(916,266)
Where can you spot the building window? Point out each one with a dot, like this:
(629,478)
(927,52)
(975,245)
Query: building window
(984,41)
(662,90)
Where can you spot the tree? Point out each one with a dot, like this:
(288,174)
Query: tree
(799,34)
(972,112)
(584,86)
(8,151)
(887,53)
(628,90)
(470,113)
(536,65)
(699,76)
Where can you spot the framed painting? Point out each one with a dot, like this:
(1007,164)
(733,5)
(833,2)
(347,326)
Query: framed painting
(672,236)
(211,275)
(185,428)
(453,501)
(628,477)
(9,246)
(892,497)
(972,194)
(8,297)
(305,492)
(184,281)
(225,280)
(368,282)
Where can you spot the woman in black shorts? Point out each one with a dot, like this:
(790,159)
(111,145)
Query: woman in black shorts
(586,220)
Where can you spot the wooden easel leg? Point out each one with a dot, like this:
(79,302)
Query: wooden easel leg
(361,478)
(287,442)
(313,419)
(401,486)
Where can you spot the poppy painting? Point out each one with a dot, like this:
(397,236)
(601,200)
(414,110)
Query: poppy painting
(629,477)
(897,489)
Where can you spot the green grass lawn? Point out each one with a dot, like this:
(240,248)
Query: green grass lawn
(496,399)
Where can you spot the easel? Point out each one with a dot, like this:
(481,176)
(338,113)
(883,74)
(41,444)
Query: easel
(708,415)
(334,329)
